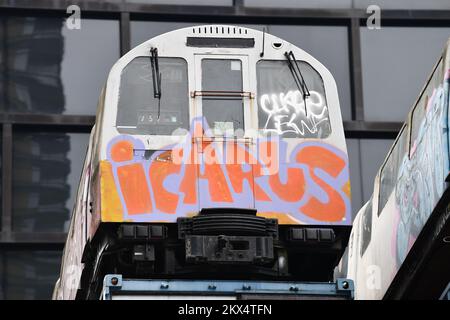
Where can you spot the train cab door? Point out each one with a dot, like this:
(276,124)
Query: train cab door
(222,100)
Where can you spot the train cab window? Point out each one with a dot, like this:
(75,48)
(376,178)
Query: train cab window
(391,168)
(139,111)
(425,109)
(366,228)
(224,112)
(281,107)
(418,117)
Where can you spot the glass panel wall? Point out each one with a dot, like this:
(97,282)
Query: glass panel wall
(46,173)
(396,62)
(28,275)
(49,66)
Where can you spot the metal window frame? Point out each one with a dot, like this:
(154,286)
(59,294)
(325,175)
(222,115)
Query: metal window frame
(124,12)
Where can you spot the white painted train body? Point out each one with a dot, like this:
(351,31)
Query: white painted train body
(211,134)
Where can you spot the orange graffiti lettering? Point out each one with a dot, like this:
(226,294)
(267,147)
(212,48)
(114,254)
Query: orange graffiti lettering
(122,151)
(317,157)
(134,188)
(294,188)
(161,168)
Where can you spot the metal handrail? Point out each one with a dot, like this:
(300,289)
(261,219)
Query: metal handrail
(218,93)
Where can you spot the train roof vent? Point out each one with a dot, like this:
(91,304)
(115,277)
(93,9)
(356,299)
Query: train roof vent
(225,30)
(220,42)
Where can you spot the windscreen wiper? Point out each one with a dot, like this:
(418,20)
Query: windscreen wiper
(264,37)
(298,77)
(156,76)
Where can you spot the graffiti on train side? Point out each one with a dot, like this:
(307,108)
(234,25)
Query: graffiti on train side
(286,114)
(421,179)
(311,185)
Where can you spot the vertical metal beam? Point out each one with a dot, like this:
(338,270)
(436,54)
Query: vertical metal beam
(238,6)
(125,33)
(7,158)
(3,275)
(238,3)
(4,53)
(361,179)
(356,70)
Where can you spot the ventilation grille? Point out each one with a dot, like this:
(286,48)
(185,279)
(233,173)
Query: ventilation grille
(226,30)
(228,224)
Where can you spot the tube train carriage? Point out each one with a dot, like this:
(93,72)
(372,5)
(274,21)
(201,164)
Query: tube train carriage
(399,245)
(218,152)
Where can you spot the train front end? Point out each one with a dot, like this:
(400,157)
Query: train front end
(219,151)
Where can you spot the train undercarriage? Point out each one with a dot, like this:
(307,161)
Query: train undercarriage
(219,243)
